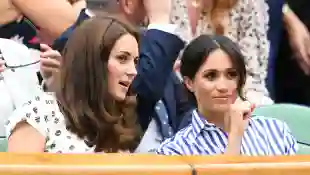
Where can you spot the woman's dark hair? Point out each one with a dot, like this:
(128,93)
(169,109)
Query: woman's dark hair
(200,48)
(83,97)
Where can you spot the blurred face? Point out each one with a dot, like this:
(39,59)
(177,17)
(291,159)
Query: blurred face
(134,11)
(215,84)
(122,66)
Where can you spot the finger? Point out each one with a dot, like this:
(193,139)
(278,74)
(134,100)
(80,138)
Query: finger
(303,54)
(49,63)
(307,42)
(48,70)
(246,108)
(45,47)
(303,66)
(307,51)
(253,106)
(50,54)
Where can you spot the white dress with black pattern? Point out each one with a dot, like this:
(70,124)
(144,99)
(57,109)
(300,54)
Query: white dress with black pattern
(44,115)
(247,26)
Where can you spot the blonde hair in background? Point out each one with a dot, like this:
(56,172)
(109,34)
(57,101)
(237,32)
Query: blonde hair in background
(217,12)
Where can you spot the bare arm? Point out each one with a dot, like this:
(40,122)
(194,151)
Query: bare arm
(8,12)
(26,138)
(52,16)
(299,38)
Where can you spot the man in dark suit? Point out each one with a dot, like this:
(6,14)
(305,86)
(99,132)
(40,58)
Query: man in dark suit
(274,33)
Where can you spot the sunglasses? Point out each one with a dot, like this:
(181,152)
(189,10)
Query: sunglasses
(16,66)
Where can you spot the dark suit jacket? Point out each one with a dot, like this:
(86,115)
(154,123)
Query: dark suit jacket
(274,33)
(156,81)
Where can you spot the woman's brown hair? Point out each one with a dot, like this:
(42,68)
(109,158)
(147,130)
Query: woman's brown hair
(217,11)
(83,97)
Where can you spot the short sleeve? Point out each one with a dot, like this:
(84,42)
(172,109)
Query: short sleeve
(290,142)
(35,112)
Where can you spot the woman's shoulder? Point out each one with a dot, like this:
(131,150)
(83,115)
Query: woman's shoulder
(270,124)
(277,134)
(42,103)
(36,112)
(176,144)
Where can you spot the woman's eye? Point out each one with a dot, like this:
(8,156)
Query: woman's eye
(122,58)
(232,75)
(211,76)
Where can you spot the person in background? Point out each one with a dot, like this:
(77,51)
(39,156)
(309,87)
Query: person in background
(214,72)
(35,21)
(94,106)
(275,28)
(243,21)
(18,79)
(292,66)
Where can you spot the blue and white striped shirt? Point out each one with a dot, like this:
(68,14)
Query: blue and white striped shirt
(263,136)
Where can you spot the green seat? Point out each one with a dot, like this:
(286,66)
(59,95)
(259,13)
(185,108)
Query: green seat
(295,116)
(3,144)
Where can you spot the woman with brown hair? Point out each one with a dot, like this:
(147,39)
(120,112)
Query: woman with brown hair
(93,108)
(243,21)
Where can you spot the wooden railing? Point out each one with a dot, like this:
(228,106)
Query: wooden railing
(125,164)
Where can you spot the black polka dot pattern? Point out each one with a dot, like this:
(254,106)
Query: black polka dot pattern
(58,133)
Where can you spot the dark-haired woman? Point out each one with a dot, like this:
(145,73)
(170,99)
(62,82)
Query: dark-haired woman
(214,72)
(243,21)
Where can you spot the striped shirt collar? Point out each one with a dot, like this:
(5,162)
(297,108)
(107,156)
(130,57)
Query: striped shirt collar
(199,124)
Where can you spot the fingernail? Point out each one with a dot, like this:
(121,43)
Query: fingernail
(252,107)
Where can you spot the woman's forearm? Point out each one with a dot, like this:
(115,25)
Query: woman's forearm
(52,16)
(233,145)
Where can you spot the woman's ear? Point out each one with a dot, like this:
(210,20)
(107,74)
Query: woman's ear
(189,84)
(127,6)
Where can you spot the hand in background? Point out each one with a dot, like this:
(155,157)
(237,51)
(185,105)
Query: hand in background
(299,39)
(49,65)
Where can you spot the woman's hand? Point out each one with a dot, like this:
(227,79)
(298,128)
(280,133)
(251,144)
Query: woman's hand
(299,38)
(49,65)
(235,124)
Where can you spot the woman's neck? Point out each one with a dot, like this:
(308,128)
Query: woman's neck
(214,117)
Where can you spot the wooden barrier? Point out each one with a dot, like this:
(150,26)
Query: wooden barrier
(126,164)
(91,164)
(245,165)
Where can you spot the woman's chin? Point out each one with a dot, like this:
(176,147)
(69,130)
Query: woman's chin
(222,107)
(119,96)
